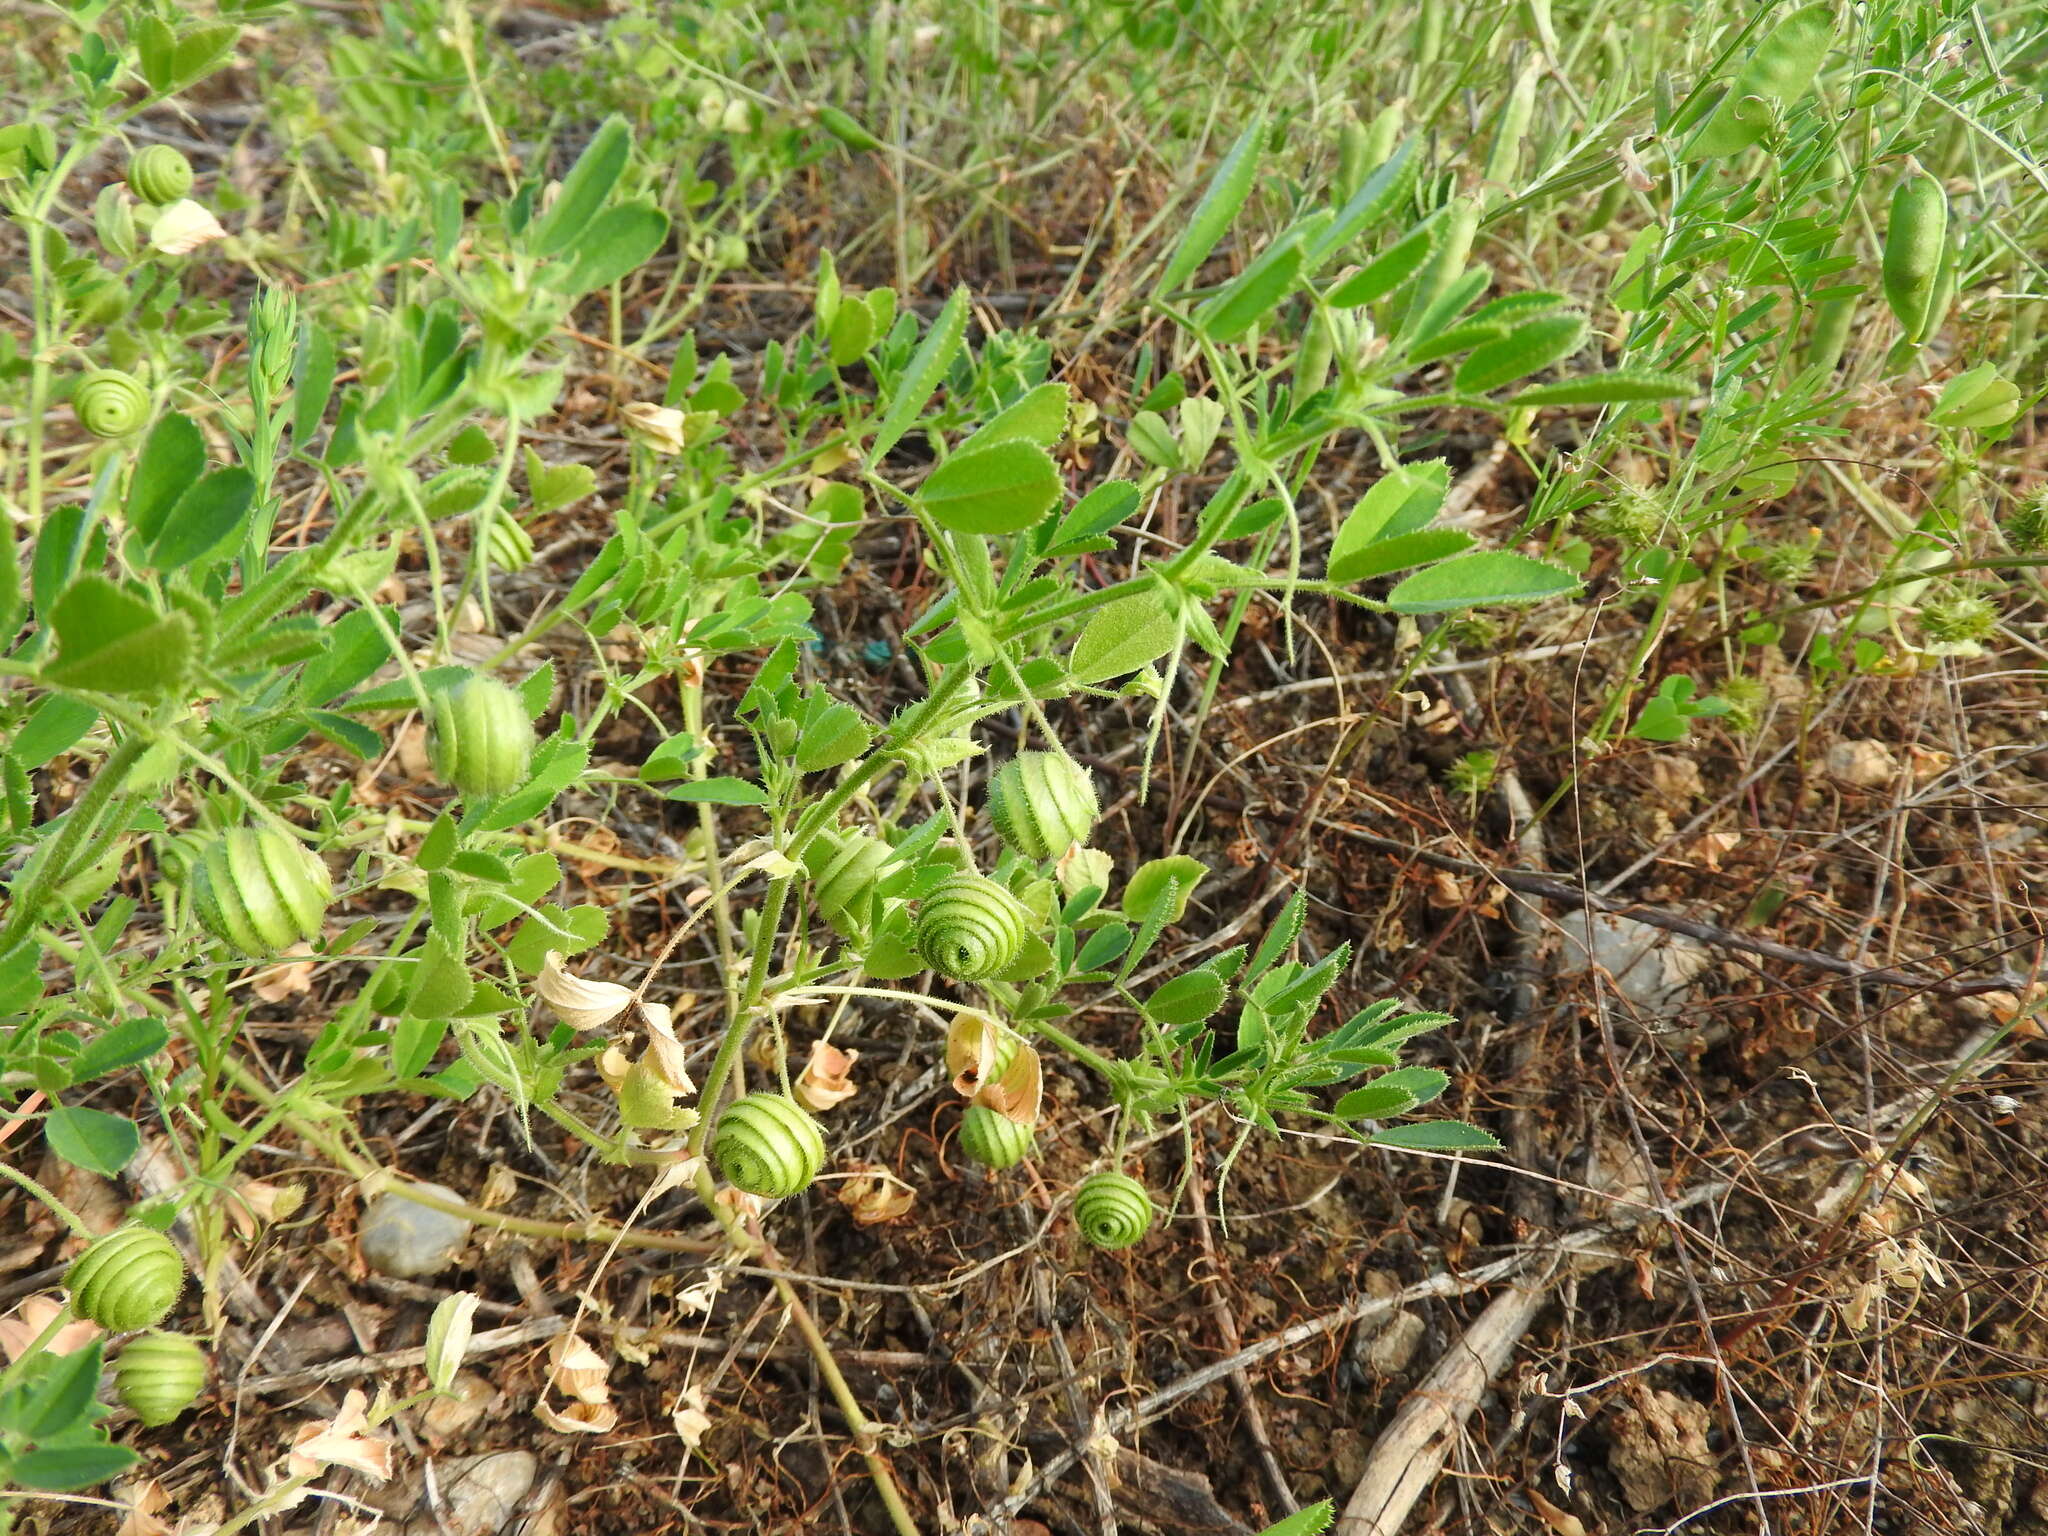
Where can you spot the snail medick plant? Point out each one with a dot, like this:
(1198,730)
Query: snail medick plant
(126,1280)
(768,1145)
(110,403)
(1112,1210)
(259,890)
(970,928)
(159,174)
(993,1139)
(480,736)
(160,1375)
(1042,803)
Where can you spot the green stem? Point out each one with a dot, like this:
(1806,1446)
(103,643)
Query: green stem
(76,827)
(70,1217)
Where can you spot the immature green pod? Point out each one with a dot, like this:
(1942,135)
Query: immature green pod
(993,1140)
(110,403)
(1351,162)
(1915,243)
(479,737)
(766,1145)
(507,546)
(970,928)
(259,890)
(1112,1210)
(126,1280)
(1042,803)
(159,175)
(844,866)
(1833,321)
(159,1376)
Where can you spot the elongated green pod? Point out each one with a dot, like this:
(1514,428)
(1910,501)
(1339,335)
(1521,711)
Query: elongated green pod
(1915,242)
(1217,210)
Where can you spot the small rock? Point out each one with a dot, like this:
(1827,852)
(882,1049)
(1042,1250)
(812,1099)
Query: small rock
(1393,1351)
(1861,764)
(404,1239)
(479,1494)
(1654,969)
(450,1415)
(1659,1453)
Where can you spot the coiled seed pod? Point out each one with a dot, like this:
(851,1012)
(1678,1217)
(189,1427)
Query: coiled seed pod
(767,1145)
(259,890)
(1112,1210)
(110,403)
(844,866)
(970,928)
(507,546)
(126,1280)
(1042,804)
(479,737)
(159,175)
(993,1140)
(160,1375)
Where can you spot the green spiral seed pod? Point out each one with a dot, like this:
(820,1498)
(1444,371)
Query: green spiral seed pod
(1042,804)
(1112,1210)
(126,1280)
(479,738)
(767,1145)
(159,175)
(970,928)
(992,1140)
(110,403)
(844,866)
(160,1375)
(507,546)
(259,890)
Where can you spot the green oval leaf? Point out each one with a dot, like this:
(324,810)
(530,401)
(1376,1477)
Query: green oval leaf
(91,1139)
(1123,636)
(928,365)
(1218,209)
(1529,348)
(1003,488)
(1490,576)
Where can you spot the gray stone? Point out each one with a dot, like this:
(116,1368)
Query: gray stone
(404,1239)
(1652,968)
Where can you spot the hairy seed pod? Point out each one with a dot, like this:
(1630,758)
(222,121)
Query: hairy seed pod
(160,1375)
(110,403)
(1112,1210)
(992,1140)
(844,865)
(970,928)
(507,546)
(126,1280)
(1042,804)
(159,175)
(767,1145)
(259,890)
(1914,243)
(479,736)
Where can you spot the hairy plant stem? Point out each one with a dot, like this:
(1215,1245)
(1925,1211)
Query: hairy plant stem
(69,1217)
(78,824)
(864,1432)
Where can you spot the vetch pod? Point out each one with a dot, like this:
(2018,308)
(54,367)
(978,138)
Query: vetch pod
(766,1145)
(259,890)
(126,1280)
(159,1376)
(1915,242)
(1042,803)
(159,175)
(479,737)
(1112,1210)
(993,1140)
(110,403)
(970,928)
